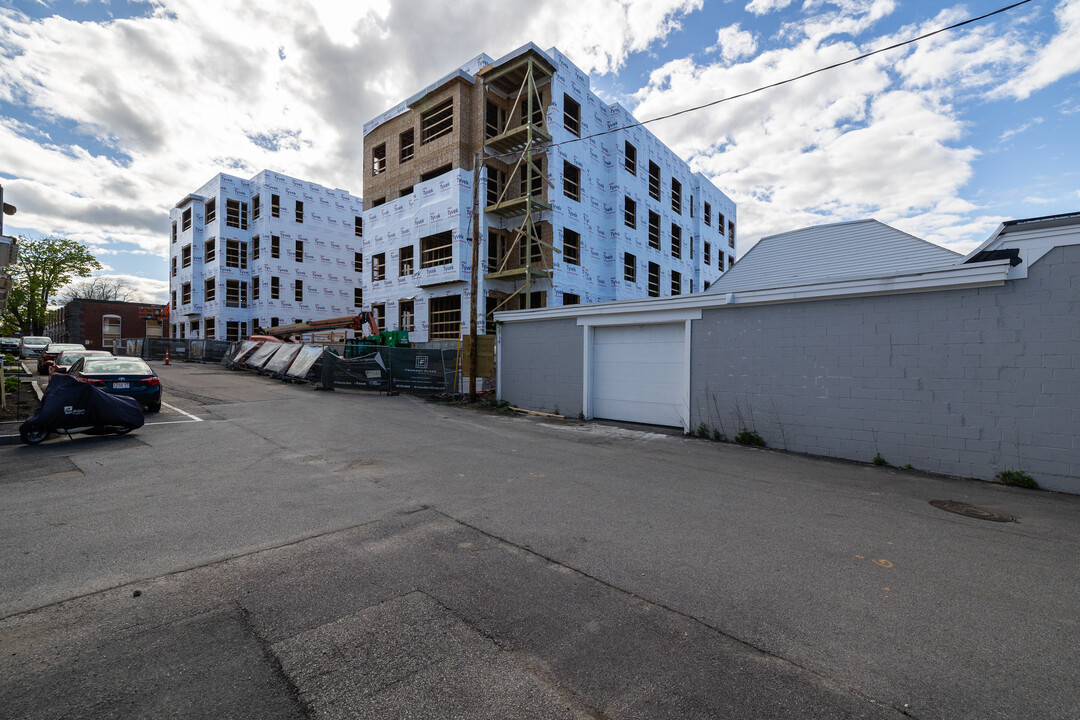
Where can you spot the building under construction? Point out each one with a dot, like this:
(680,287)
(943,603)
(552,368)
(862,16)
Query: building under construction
(264,251)
(566,214)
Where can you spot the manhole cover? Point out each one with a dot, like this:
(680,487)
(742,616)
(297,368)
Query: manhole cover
(971,511)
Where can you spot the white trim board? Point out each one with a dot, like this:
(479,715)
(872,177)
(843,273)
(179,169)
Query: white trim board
(637,318)
(954,278)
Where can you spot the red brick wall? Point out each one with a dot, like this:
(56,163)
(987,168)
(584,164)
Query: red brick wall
(82,321)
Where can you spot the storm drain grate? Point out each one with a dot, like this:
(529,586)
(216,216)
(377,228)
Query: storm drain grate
(971,511)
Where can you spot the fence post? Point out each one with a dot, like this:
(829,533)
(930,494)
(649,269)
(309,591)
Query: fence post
(390,370)
(327,380)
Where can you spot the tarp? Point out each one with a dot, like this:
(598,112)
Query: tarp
(281,359)
(242,352)
(304,360)
(227,358)
(68,403)
(258,358)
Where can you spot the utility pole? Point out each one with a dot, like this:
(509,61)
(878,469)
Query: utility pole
(8,256)
(473,283)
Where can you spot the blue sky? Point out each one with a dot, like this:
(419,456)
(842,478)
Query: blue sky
(110,112)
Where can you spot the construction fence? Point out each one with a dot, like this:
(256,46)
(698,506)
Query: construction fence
(153,348)
(386,369)
(433,368)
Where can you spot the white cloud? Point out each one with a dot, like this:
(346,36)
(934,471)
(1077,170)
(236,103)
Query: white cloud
(137,112)
(196,88)
(882,137)
(597,35)
(1013,132)
(734,43)
(762,7)
(844,17)
(1054,59)
(972,59)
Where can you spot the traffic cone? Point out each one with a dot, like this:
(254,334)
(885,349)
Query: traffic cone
(166,354)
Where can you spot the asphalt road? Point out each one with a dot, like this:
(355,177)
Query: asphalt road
(262,550)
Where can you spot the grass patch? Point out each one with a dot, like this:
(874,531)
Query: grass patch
(1017,478)
(749,437)
(878,460)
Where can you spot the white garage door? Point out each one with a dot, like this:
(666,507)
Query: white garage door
(639,373)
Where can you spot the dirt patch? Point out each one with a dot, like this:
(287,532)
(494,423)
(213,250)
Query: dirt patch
(488,405)
(20,405)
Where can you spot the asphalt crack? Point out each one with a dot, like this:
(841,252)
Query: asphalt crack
(826,679)
(271,658)
(534,666)
(217,561)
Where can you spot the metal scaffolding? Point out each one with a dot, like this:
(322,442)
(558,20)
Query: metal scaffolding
(527,141)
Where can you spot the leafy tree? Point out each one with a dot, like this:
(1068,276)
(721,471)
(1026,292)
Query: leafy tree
(45,265)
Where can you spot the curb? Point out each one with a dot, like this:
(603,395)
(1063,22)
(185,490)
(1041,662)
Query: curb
(9,432)
(33,380)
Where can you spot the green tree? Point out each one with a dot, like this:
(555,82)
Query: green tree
(45,265)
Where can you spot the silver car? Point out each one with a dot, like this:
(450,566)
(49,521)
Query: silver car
(32,346)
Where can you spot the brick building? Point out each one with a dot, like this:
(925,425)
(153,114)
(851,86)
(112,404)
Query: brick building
(96,323)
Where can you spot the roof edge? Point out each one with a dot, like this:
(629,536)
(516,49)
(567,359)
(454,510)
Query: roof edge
(953,277)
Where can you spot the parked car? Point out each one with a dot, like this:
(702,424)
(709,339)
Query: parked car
(9,345)
(32,346)
(65,359)
(48,355)
(120,376)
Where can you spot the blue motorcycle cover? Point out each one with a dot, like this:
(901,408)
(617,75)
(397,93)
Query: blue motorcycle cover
(68,403)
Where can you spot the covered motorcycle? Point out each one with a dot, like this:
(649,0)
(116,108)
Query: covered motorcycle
(72,406)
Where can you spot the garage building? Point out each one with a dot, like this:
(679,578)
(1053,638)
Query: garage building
(848,340)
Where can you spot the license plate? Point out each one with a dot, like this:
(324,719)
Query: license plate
(121,385)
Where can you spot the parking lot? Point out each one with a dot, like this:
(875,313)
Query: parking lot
(263,550)
(177,410)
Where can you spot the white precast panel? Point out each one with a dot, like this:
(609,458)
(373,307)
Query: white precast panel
(639,373)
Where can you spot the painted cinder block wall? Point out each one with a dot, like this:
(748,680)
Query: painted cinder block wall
(540,367)
(963,382)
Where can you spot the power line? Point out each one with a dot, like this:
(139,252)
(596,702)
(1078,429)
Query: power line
(762,88)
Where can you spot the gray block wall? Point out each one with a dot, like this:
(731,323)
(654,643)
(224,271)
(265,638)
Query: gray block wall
(962,382)
(541,365)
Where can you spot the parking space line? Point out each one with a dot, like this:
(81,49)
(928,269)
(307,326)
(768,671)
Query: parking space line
(182,412)
(171,422)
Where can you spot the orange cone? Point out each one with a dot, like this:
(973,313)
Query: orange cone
(166,354)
